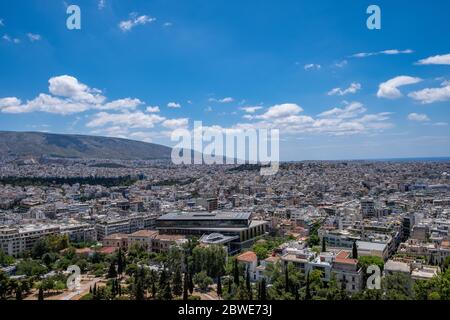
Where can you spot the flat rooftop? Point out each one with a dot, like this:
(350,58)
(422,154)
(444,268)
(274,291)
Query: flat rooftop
(203,215)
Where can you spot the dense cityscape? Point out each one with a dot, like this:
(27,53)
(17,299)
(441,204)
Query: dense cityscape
(150,230)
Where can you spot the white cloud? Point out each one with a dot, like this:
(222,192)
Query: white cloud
(384,52)
(167,24)
(173,105)
(418,117)
(224,100)
(9,102)
(338,121)
(439,59)
(34,37)
(251,109)
(154,109)
(389,89)
(176,123)
(341,64)
(135,20)
(281,110)
(350,111)
(312,66)
(9,39)
(431,95)
(101,4)
(440,124)
(69,87)
(133,120)
(354,87)
(1,23)
(67,96)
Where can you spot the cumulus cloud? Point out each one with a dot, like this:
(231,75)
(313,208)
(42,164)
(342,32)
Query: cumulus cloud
(132,120)
(67,96)
(176,123)
(431,95)
(173,105)
(281,110)
(154,109)
(384,52)
(418,117)
(350,119)
(389,89)
(354,87)
(439,59)
(135,20)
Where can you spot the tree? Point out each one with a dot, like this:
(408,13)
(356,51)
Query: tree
(185,287)
(236,272)
(286,279)
(355,250)
(324,245)
(164,291)
(41,294)
(120,262)
(138,288)
(177,282)
(263,294)
(202,280)
(112,273)
(248,286)
(397,286)
(219,287)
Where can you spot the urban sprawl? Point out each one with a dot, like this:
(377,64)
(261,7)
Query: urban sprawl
(143,230)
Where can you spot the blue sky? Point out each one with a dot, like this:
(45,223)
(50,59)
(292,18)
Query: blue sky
(312,69)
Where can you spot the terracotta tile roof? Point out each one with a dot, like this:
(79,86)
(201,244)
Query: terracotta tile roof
(144,233)
(108,250)
(248,256)
(343,257)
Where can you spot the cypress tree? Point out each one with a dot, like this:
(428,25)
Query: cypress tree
(177,283)
(247,281)
(185,287)
(286,279)
(41,294)
(355,251)
(263,290)
(120,262)
(219,286)
(112,273)
(190,283)
(308,290)
(324,245)
(236,272)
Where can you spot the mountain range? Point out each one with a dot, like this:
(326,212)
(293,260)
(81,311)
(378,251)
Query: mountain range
(39,144)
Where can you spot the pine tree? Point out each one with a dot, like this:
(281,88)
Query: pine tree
(219,286)
(355,251)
